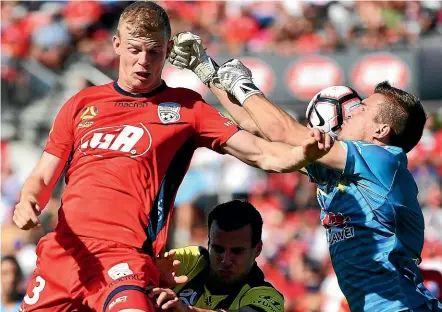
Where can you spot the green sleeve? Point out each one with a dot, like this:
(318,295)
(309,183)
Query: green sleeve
(266,298)
(189,257)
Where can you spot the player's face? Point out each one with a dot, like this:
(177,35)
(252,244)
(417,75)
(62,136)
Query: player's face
(141,59)
(361,125)
(231,254)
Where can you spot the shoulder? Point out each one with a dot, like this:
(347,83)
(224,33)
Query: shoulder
(258,284)
(94,90)
(184,95)
(86,95)
(192,257)
(184,91)
(265,297)
(370,151)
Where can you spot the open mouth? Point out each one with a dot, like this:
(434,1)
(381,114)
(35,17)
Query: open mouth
(143,75)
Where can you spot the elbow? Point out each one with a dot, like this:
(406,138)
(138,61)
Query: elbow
(249,126)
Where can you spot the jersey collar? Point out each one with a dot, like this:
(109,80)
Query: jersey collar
(140,95)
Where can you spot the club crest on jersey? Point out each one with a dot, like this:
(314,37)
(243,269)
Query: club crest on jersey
(86,115)
(188,296)
(169,112)
(124,140)
(337,227)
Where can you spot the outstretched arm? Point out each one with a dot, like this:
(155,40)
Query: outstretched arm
(277,156)
(273,122)
(265,119)
(189,53)
(256,114)
(238,113)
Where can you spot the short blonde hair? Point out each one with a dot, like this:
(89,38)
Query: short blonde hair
(143,18)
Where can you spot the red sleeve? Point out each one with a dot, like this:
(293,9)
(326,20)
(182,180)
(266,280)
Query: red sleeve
(213,128)
(61,137)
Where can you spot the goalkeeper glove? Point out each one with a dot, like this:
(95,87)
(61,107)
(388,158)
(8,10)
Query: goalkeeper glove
(236,79)
(189,53)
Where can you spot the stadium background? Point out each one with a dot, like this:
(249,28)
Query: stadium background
(50,50)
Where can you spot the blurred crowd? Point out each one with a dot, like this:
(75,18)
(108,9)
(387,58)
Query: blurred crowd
(48,39)
(282,27)
(46,46)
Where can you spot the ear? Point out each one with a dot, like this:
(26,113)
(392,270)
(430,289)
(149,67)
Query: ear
(116,43)
(169,48)
(382,132)
(258,249)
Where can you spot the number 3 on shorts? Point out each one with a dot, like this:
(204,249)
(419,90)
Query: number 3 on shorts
(35,291)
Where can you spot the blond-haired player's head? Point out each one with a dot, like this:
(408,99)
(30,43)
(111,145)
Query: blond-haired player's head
(143,44)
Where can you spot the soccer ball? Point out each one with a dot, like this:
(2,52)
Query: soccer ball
(330,107)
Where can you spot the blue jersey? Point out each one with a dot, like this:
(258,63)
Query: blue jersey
(375,227)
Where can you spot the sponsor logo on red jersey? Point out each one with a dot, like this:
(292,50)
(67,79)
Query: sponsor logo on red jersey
(128,140)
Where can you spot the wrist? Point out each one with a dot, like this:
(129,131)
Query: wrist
(206,69)
(244,88)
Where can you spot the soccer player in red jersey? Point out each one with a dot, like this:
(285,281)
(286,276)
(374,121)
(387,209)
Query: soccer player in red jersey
(127,146)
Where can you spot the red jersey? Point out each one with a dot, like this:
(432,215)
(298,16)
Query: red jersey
(128,154)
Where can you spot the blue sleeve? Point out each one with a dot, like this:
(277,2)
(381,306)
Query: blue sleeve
(373,163)
(318,173)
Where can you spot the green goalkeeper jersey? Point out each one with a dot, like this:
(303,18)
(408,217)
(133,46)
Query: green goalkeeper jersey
(254,292)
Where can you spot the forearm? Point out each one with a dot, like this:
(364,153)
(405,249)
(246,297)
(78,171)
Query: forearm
(43,178)
(238,113)
(37,188)
(282,158)
(273,122)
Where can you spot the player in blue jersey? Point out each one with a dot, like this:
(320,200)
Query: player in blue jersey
(375,226)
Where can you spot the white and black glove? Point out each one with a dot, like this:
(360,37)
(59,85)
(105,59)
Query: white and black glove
(188,53)
(236,79)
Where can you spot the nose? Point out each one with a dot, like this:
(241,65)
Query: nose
(143,59)
(226,258)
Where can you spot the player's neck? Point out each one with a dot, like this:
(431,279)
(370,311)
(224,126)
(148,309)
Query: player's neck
(135,91)
(380,142)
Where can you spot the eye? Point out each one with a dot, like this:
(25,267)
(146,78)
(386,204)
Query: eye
(237,251)
(154,52)
(218,249)
(134,51)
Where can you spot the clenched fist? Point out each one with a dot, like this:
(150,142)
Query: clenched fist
(317,145)
(26,213)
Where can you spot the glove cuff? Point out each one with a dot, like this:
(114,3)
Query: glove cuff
(243,88)
(206,69)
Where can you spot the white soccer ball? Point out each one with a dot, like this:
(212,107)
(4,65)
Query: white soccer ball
(330,107)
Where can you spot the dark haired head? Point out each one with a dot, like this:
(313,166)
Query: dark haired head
(404,113)
(235,214)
